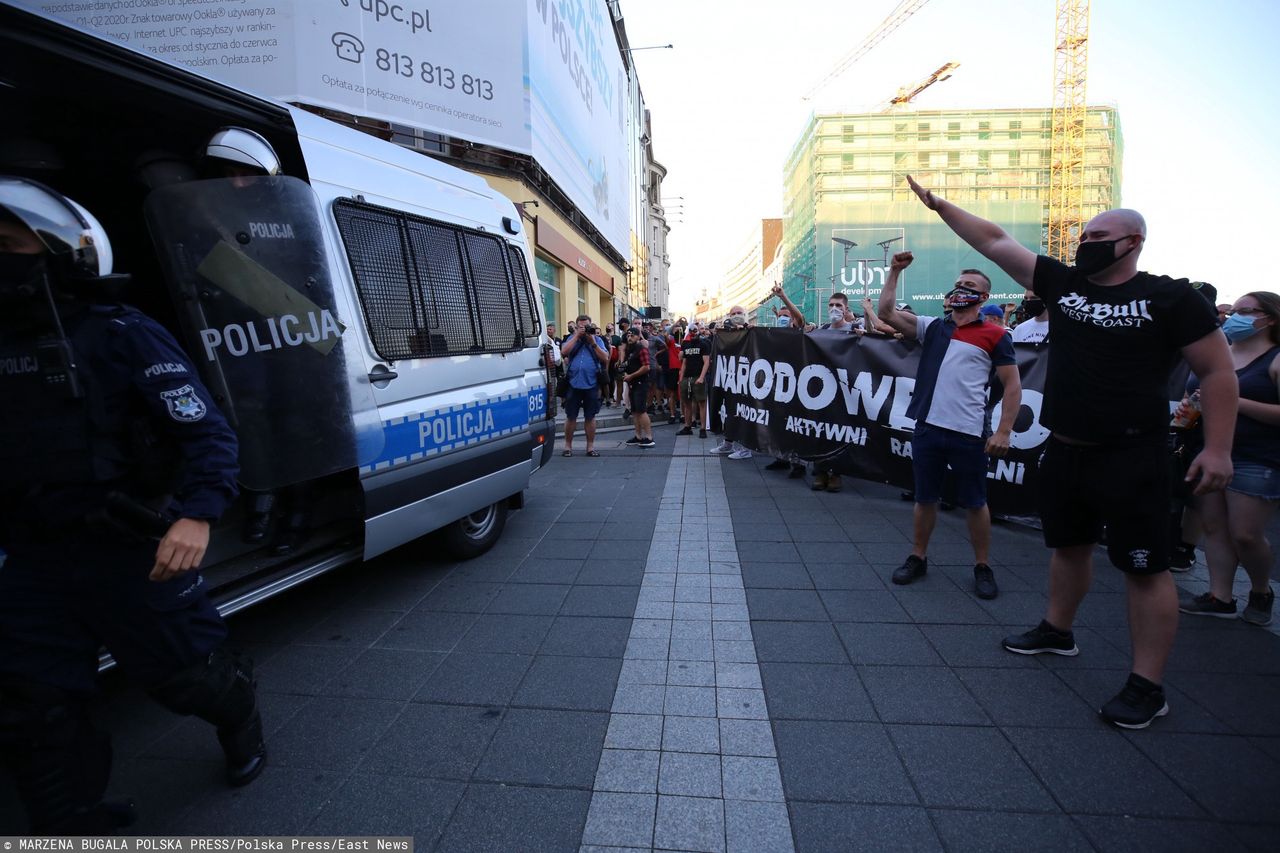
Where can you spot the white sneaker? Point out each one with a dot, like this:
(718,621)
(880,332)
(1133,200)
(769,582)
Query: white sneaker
(722,449)
(740,454)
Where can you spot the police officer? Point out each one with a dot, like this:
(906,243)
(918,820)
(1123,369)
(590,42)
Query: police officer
(108,443)
(241,155)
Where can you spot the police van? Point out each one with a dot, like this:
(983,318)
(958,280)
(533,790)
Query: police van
(367,318)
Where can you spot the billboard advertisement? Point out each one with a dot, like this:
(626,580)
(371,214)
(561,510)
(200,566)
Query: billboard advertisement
(881,229)
(539,77)
(578,100)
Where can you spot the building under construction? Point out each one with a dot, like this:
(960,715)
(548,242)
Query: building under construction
(845,178)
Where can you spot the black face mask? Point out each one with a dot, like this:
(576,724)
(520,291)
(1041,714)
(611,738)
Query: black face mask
(1031,308)
(1095,256)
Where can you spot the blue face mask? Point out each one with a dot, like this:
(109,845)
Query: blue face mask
(1238,327)
(784,322)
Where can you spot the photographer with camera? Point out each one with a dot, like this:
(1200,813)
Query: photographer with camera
(586,358)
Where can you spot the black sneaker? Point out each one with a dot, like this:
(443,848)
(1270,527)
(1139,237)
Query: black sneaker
(1137,705)
(635,439)
(1042,639)
(1207,605)
(647,443)
(913,569)
(777,465)
(1258,610)
(1182,558)
(626,414)
(702,433)
(984,582)
(686,431)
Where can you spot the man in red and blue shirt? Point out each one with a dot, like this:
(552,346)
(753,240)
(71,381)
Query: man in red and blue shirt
(959,354)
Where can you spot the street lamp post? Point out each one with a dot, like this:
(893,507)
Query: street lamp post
(846,245)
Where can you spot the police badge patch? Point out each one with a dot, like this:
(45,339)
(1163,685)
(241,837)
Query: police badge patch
(183,404)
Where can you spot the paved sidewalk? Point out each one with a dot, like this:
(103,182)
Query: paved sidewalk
(550,696)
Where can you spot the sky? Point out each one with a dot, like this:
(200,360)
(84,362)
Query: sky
(1198,110)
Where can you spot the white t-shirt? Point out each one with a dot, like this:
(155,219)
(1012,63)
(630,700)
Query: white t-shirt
(1031,331)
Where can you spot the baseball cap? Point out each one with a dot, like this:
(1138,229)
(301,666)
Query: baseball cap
(992,311)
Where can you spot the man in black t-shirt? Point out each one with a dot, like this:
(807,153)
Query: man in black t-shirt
(695,358)
(1117,333)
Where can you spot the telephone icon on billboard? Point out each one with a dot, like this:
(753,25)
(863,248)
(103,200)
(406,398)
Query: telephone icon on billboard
(348,46)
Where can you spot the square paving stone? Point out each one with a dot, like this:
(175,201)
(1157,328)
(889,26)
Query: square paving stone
(612,572)
(640,648)
(786,605)
(745,703)
(751,779)
(887,644)
(692,650)
(633,771)
(600,601)
(757,826)
(691,734)
(440,741)
(689,774)
(689,823)
(734,651)
(587,636)
(1005,832)
(505,817)
(466,678)
(690,701)
(775,576)
(737,675)
(961,767)
(976,645)
(639,699)
(1143,835)
(529,599)
(539,570)
(798,642)
(641,671)
(517,635)
(691,673)
(692,629)
(539,747)
(832,827)
(583,684)
(747,737)
(1247,703)
(620,820)
(460,597)
(282,802)
(941,606)
(369,805)
(1227,775)
(863,605)
(805,691)
(1028,697)
(691,610)
(740,631)
(634,731)
(652,629)
(843,576)
(384,674)
(1100,772)
(428,632)
(840,761)
(304,669)
(921,694)
(357,628)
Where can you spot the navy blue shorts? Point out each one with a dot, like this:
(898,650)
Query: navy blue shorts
(60,603)
(934,450)
(586,400)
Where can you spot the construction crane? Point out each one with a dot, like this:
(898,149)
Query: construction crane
(908,93)
(1070,111)
(896,18)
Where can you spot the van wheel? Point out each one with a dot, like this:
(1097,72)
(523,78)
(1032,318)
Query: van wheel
(474,534)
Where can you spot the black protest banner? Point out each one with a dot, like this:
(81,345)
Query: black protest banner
(841,400)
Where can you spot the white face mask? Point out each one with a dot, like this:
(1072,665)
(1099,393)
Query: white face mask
(836,314)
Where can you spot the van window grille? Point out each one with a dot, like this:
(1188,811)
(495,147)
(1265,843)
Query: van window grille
(429,288)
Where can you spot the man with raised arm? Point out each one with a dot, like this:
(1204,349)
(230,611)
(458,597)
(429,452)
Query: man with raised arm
(1116,334)
(958,357)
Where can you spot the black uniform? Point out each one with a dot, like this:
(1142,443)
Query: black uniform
(89,482)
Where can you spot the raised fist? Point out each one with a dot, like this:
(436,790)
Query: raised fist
(901,261)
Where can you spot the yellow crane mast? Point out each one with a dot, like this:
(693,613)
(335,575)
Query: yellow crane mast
(907,94)
(1066,170)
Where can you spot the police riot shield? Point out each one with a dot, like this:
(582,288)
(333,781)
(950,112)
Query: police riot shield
(246,265)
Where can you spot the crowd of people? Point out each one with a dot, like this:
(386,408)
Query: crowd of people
(1106,476)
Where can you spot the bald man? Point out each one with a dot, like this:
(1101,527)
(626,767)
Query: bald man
(1116,334)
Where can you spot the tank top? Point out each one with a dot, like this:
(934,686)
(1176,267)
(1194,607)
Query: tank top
(1256,441)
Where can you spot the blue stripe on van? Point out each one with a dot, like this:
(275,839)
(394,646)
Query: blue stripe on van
(424,434)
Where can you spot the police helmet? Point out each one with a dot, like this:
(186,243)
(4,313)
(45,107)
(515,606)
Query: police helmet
(243,147)
(70,233)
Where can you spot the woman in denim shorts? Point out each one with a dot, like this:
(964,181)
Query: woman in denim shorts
(1235,522)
